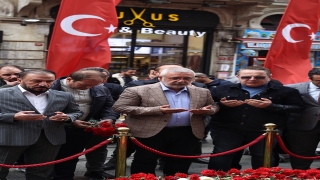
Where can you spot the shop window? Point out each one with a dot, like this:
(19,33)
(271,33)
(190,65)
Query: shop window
(271,22)
(195,50)
(120,51)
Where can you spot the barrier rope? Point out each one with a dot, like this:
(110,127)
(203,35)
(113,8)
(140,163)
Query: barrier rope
(60,160)
(284,148)
(135,141)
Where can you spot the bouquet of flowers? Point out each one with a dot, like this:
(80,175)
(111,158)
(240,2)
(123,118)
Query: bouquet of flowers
(274,173)
(101,128)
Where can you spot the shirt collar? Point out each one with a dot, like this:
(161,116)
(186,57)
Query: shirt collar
(165,88)
(24,91)
(312,86)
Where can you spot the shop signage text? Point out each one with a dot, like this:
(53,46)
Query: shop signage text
(268,45)
(167,32)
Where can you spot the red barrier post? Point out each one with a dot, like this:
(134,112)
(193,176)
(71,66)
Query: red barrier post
(268,144)
(122,151)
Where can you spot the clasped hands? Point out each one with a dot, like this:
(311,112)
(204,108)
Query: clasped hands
(167,110)
(31,116)
(263,103)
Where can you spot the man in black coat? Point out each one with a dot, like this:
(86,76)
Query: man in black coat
(244,109)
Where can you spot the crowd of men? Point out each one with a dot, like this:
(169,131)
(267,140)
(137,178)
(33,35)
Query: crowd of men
(43,117)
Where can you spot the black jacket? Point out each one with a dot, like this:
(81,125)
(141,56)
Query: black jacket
(115,90)
(155,80)
(249,118)
(101,102)
(217,82)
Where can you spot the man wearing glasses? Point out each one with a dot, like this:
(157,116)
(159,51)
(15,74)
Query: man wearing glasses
(244,109)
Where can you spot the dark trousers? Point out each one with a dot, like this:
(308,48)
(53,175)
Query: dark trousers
(179,141)
(225,140)
(41,151)
(76,141)
(303,143)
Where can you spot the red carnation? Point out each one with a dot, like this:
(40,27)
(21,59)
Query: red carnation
(276,169)
(181,175)
(121,125)
(279,176)
(138,176)
(209,173)
(170,178)
(194,177)
(221,173)
(248,171)
(150,177)
(234,171)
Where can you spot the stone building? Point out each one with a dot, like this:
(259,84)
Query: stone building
(201,34)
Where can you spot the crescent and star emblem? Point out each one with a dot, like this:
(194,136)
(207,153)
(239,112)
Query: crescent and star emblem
(66,25)
(286,32)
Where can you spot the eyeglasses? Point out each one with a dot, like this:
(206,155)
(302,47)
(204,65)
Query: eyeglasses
(255,77)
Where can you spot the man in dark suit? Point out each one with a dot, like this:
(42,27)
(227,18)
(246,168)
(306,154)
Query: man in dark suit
(32,120)
(303,129)
(167,116)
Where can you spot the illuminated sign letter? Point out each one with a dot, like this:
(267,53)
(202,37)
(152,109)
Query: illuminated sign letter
(153,17)
(159,31)
(121,15)
(173,17)
(146,30)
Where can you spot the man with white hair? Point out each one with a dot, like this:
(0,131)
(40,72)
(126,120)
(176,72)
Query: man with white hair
(167,116)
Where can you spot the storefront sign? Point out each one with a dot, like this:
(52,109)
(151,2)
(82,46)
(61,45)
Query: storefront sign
(258,45)
(264,34)
(167,32)
(153,17)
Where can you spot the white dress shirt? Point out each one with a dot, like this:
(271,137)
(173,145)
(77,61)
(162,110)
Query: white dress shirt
(40,101)
(314,91)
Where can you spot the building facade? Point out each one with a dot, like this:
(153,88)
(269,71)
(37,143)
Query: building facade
(202,35)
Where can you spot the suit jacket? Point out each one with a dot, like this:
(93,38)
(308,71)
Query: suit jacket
(309,118)
(24,133)
(142,104)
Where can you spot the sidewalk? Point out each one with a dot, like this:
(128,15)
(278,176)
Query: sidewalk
(195,167)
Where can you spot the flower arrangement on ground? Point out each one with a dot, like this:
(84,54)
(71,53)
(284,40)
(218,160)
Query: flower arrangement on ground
(274,173)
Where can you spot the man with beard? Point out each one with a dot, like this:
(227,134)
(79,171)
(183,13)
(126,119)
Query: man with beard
(32,120)
(9,75)
(167,116)
(125,76)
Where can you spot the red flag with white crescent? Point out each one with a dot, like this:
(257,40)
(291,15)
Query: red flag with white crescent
(288,58)
(80,35)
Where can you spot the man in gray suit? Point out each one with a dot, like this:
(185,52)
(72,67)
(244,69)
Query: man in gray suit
(32,121)
(303,130)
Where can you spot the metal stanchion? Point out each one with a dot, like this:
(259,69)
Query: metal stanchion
(122,151)
(268,144)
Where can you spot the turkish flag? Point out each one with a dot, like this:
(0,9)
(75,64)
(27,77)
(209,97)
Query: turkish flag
(288,57)
(80,35)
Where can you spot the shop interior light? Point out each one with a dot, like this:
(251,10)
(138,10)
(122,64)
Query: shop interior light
(139,57)
(31,20)
(119,56)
